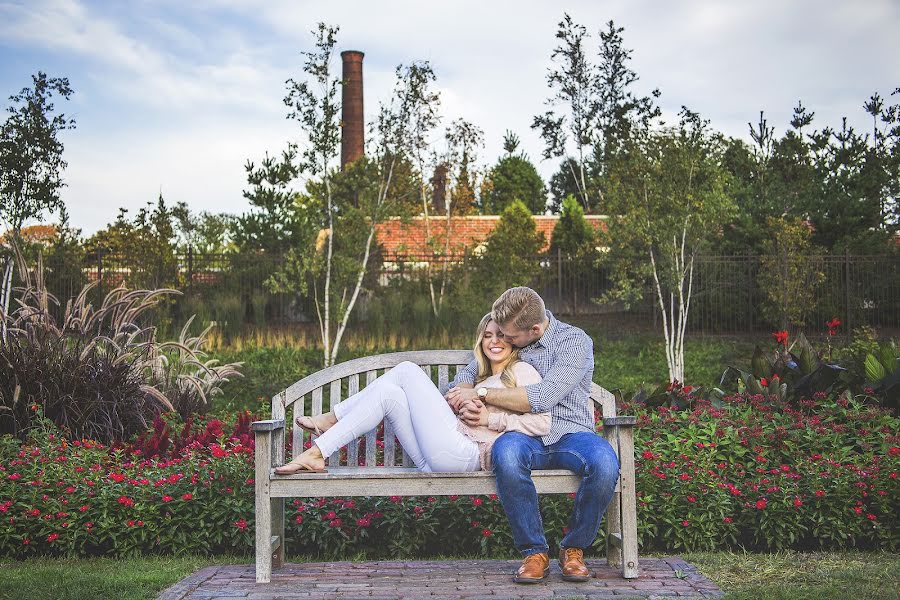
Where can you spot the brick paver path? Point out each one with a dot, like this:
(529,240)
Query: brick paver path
(660,578)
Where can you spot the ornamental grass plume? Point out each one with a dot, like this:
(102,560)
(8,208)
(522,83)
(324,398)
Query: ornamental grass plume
(97,372)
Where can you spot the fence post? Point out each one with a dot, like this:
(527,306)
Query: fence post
(559,293)
(847,325)
(190,267)
(100,271)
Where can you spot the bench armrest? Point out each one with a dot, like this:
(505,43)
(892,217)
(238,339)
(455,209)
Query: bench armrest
(619,421)
(270,425)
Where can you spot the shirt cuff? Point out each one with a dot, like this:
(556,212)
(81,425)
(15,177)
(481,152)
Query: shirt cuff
(534,398)
(494,421)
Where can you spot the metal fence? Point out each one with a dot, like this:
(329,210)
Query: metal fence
(731,294)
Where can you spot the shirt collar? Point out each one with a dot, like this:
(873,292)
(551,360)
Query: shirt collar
(546,338)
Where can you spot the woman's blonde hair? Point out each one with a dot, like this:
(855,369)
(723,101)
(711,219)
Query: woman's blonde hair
(507,376)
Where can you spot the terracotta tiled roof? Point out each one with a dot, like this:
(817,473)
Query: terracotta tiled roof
(409,238)
(36,234)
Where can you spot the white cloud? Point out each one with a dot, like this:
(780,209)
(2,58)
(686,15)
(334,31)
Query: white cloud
(181,94)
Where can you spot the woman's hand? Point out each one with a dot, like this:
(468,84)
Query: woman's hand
(473,413)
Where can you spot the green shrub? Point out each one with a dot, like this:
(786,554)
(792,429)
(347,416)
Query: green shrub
(757,473)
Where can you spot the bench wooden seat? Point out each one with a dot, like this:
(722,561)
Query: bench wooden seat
(359,475)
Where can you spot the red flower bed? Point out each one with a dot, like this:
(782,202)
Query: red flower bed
(756,473)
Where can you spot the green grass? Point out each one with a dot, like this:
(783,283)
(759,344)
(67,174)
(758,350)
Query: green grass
(98,578)
(743,576)
(802,576)
(620,364)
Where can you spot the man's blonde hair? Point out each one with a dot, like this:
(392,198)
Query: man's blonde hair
(520,307)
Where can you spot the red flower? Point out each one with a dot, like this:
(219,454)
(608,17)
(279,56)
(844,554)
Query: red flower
(727,520)
(647,454)
(70,489)
(117,477)
(53,537)
(761,504)
(126,501)
(167,498)
(241,524)
(763,382)
(335,522)
(781,337)
(363,522)
(691,498)
(797,502)
(130,523)
(833,325)
(477,501)
(820,493)
(894,451)
(14,477)
(188,496)
(871,517)
(299,519)
(486,533)
(686,523)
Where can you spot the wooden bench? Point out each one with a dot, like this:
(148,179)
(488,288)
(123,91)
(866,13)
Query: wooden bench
(350,479)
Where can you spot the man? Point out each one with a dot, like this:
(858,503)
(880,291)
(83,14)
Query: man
(564,357)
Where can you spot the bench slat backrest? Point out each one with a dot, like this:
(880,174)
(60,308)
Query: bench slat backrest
(307,397)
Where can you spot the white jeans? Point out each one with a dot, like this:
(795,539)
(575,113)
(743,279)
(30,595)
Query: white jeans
(421,417)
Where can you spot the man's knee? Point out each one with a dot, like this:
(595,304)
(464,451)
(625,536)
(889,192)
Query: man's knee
(599,456)
(512,451)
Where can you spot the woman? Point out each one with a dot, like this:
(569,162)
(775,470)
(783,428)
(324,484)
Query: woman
(434,438)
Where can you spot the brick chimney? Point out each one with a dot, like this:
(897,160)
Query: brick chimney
(352,120)
(439,190)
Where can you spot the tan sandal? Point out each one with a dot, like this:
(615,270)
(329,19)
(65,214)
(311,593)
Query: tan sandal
(297,466)
(314,429)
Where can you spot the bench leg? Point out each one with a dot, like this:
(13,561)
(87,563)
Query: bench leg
(264,506)
(630,567)
(278,530)
(614,511)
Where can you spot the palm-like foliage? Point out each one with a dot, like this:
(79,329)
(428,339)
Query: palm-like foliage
(99,372)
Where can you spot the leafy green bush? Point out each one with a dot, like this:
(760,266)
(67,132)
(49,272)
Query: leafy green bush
(756,473)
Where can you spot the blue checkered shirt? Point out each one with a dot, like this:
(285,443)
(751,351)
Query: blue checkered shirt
(564,356)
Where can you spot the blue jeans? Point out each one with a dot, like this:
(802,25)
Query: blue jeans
(586,454)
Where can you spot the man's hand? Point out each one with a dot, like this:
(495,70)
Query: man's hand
(474,413)
(458,395)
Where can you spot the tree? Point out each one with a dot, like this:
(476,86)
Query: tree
(788,274)
(510,256)
(143,247)
(278,220)
(599,108)
(31,163)
(668,201)
(573,236)
(573,84)
(514,177)
(563,183)
(345,207)
(574,244)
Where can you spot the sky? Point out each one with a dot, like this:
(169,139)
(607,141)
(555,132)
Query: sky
(175,97)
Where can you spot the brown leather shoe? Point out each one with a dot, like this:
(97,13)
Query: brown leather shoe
(534,569)
(571,561)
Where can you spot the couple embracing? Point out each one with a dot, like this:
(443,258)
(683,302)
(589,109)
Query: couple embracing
(522,404)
